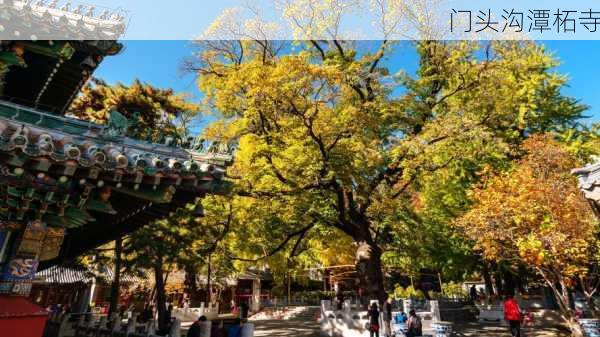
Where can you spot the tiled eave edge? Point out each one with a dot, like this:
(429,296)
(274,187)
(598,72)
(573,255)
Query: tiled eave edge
(48,143)
(589,181)
(42,20)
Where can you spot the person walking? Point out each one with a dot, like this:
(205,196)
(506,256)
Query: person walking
(414,326)
(374,320)
(387,317)
(512,314)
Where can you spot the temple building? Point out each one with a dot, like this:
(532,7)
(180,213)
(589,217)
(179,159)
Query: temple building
(68,185)
(589,183)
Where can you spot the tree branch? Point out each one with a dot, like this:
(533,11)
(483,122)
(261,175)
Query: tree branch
(301,233)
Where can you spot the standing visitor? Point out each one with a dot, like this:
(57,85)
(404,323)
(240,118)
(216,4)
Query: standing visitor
(374,320)
(167,318)
(234,308)
(512,313)
(387,316)
(414,326)
(340,297)
(400,317)
(473,293)
(147,314)
(244,310)
(236,329)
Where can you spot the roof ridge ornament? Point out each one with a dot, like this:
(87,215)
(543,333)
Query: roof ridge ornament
(117,125)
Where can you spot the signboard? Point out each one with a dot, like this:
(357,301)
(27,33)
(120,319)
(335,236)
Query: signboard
(20,268)
(52,242)
(21,288)
(32,240)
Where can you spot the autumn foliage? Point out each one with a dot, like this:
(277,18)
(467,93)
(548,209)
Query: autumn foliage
(535,214)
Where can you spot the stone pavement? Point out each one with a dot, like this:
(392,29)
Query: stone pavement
(310,328)
(304,324)
(286,328)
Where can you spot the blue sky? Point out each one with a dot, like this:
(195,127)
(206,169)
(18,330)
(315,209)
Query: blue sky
(159,63)
(186,19)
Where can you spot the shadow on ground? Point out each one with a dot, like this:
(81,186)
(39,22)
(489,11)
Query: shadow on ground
(282,328)
(499,330)
(293,328)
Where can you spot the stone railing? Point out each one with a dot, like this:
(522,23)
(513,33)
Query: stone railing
(88,324)
(211,312)
(350,322)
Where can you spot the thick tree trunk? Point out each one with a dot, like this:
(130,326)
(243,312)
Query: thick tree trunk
(192,286)
(116,282)
(487,278)
(589,289)
(498,282)
(368,266)
(575,328)
(161,298)
(509,282)
(208,284)
(562,298)
(591,305)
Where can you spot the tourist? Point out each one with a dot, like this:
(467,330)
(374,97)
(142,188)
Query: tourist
(387,316)
(216,330)
(244,310)
(400,317)
(147,314)
(481,296)
(196,328)
(234,308)
(168,317)
(340,298)
(374,320)
(236,329)
(512,313)
(414,326)
(473,293)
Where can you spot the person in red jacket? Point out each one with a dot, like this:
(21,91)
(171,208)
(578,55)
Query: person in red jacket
(512,314)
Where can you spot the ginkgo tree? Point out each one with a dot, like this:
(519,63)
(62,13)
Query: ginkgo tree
(534,214)
(326,141)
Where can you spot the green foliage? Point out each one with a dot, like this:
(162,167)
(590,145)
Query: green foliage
(454,290)
(408,292)
(184,238)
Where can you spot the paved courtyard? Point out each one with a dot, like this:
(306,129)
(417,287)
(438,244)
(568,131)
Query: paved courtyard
(304,324)
(304,327)
(286,328)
